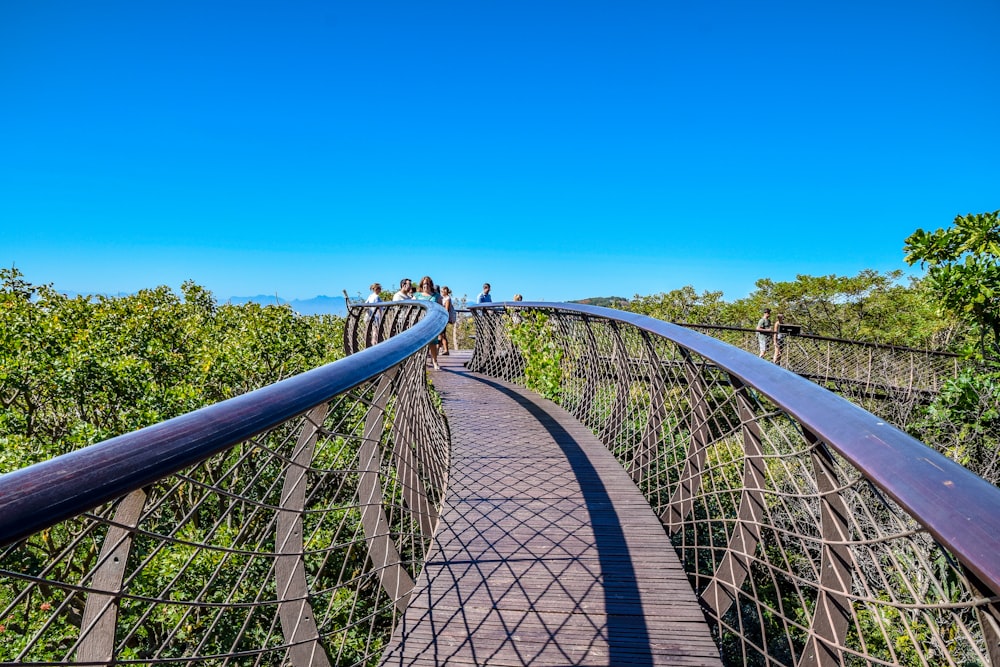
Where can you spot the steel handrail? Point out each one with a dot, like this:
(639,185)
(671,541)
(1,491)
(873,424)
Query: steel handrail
(960,509)
(48,492)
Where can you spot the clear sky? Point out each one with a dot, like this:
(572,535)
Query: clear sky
(558,149)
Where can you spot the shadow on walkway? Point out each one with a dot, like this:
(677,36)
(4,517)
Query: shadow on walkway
(546,553)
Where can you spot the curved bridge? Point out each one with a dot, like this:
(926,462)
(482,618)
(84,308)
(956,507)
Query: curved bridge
(678,501)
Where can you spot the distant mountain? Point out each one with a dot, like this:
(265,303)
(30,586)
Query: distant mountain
(606,301)
(318,305)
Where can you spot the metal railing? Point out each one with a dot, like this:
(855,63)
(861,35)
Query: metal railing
(813,532)
(871,367)
(284,526)
(287,526)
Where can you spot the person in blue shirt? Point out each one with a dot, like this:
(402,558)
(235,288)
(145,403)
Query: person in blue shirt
(484,296)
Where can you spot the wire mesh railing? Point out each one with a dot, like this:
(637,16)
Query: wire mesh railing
(813,532)
(876,367)
(282,527)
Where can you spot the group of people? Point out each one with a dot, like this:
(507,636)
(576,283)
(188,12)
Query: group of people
(426,290)
(768,333)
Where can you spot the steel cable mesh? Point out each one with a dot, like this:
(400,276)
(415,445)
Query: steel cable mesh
(297,546)
(796,556)
(885,368)
(900,385)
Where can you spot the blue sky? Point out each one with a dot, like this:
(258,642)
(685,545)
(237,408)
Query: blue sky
(557,149)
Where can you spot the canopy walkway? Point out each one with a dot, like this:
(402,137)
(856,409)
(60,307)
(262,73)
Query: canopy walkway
(678,502)
(546,554)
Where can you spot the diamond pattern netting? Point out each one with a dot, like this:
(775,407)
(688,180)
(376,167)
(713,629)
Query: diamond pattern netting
(797,557)
(303,540)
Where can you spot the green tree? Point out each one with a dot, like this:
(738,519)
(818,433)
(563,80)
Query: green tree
(870,306)
(963,279)
(963,273)
(74,371)
(541,356)
(682,305)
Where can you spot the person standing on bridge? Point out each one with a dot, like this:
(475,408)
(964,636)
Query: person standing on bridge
(484,296)
(404,290)
(764,332)
(427,293)
(779,338)
(452,317)
(376,293)
(374,315)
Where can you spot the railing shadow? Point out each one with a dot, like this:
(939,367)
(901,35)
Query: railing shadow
(532,563)
(813,532)
(626,624)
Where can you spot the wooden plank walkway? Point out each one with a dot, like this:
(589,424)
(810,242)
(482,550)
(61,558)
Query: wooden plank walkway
(546,553)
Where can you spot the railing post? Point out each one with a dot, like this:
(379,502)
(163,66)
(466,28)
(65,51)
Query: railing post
(639,467)
(298,622)
(100,616)
(382,551)
(988,615)
(484,351)
(682,500)
(618,366)
(831,618)
(720,594)
(590,376)
(829,368)
(407,457)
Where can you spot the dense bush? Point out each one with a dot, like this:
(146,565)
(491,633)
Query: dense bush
(78,370)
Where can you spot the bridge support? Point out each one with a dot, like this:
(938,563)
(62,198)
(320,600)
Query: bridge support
(832,616)
(100,616)
(298,623)
(682,500)
(721,592)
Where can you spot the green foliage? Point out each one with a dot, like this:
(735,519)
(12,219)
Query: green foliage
(682,305)
(870,306)
(963,281)
(74,371)
(963,422)
(603,301)
(963,272)
(534,339)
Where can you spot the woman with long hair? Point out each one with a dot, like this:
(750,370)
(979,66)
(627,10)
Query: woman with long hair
(449,305)
(426,292)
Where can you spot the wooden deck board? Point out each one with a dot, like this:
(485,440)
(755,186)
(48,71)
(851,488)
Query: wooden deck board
(546,553)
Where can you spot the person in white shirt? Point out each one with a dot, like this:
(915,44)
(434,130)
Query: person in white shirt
(376,295)
(374,315)
(405,290)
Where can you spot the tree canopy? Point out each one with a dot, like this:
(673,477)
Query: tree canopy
(963,273)
(74,371)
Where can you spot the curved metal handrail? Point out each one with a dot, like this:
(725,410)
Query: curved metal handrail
(957,507)
(283,526)
(41,495)
(625,374)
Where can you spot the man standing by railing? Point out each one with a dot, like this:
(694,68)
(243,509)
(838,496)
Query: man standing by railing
(764,332)
(404,292)
(484,296)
